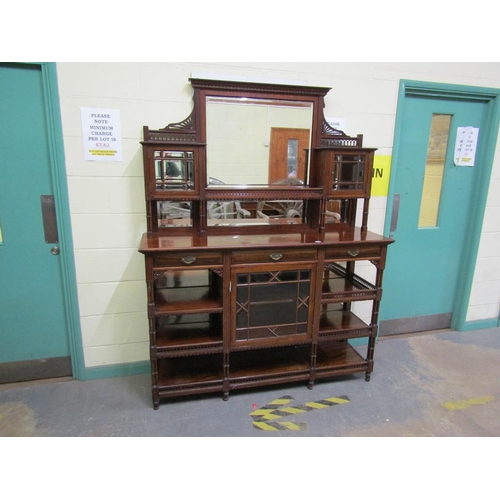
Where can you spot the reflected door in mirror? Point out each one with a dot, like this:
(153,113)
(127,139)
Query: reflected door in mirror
(287,155)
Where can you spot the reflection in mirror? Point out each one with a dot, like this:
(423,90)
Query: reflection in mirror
(292,156)
(239,138)
(174,214)
(280,209)
(256,213)
(253,212)
(226,210)
(336,211)
(174,170)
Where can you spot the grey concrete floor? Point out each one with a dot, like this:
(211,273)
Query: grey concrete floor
(443,384)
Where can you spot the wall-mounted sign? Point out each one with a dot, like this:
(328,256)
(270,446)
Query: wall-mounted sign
(381,175)
(101,134)
(465,146)
(338,123)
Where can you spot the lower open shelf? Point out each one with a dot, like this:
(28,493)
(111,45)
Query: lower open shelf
(202,374)
(338,358)
(337,325)
(184,335)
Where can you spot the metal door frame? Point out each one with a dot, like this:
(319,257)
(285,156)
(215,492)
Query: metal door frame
(485,156)
(60,190)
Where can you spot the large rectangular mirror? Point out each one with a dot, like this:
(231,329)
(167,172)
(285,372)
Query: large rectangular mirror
(254,141)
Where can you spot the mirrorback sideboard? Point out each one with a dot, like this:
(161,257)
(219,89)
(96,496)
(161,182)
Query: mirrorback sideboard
(254,281)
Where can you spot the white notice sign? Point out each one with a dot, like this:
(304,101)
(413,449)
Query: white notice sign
(465,146)
(101,134)
(337,123)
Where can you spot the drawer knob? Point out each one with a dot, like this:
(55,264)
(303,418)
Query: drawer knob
(276,256)
(353,253)
(188,260)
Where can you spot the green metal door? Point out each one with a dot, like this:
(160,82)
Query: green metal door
(33,331)
(433,198)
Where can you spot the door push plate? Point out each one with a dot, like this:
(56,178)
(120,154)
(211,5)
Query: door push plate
(395,212)
(49,219)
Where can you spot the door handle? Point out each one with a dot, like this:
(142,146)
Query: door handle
(395,212)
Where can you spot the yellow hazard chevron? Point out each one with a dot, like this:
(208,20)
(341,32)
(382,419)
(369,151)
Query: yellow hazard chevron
(279,426)
(263,417)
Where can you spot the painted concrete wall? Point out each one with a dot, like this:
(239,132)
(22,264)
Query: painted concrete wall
(107,198)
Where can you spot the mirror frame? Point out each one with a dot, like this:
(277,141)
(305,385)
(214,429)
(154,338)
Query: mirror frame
(204,88)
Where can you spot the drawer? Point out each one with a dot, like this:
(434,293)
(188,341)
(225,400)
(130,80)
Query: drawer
(274,255)
(350,252)
(188,259)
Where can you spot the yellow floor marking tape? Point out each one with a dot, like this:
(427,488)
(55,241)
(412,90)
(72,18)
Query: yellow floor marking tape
(266,410)
(262,417)
(467,403)
(287,411)
(280,426)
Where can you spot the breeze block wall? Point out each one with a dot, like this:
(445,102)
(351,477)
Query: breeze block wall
(107,198)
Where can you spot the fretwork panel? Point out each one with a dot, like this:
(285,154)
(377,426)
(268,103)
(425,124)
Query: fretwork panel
(272,304)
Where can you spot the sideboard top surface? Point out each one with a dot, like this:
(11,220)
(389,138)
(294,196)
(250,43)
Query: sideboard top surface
(156,243)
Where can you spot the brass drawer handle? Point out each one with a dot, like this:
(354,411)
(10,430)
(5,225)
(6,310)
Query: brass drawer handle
(188,260)
(353,253)
(276,256)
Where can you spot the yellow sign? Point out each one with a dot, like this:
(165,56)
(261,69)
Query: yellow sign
(381,175)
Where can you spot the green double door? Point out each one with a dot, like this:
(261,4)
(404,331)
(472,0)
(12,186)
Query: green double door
(435,207)
(34,333)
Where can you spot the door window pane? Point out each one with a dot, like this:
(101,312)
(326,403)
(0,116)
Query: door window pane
(293,154)
(434,170)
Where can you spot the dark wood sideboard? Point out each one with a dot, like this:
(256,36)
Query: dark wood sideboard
(257,284)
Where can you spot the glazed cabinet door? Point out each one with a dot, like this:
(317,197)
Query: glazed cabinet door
(350,173)
(172,184)
(347,172)
(174,170)
(272,304)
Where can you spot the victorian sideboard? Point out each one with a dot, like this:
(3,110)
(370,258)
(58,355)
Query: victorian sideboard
(253,281)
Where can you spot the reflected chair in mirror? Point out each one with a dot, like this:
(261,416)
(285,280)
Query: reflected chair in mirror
(174,209)
(287,209)
(225,209)
(281,209)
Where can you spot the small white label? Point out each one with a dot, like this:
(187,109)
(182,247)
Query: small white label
(465,146)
